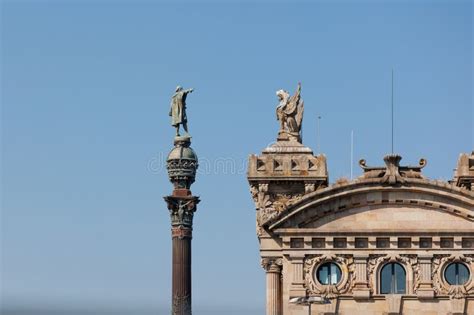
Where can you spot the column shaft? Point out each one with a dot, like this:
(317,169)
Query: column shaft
(181,287)
(274,288)
(274,293)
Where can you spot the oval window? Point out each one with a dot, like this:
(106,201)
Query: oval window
(456,274)
(329,273)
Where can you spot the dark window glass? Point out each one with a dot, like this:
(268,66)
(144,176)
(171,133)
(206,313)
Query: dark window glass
(392,279)
(329,273)
(456,274)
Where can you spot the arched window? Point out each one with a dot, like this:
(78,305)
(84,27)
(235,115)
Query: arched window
(329,273)
(392,279)
(456,274)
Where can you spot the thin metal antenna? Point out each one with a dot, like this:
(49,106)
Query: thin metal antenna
(352,152)
(319,138)
(392,110)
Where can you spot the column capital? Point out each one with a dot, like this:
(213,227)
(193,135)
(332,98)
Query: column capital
(182,209)
(272,264)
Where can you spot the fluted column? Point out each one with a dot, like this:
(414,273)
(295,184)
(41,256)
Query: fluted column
(297,287)
(181,286)
(361,288)
(273,268)
(181,210)
(425,289)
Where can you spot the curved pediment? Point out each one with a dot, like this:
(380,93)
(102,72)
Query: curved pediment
(365,204)
(383,218)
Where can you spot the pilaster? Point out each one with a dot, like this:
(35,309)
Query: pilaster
(425,289)
(361,289)
(297,287)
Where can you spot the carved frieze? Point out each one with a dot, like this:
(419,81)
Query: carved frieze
(270,204)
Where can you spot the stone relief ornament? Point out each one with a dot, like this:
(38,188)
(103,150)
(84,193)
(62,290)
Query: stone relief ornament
(441,286)
(182,210)
(409,262)
(345,285)
(392,173)
(269,205)
(181,304)
(290,114)
(271,264)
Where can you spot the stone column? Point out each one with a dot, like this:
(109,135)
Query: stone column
(181,165)
(181,235)
(273,268)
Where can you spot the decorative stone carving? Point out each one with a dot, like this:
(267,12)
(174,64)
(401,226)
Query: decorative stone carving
(410,262)
(269,205)
(309,187)
(182,163)
(441,286)
(290,114)
(271,264)
(182,210)
(345,285)
(464,173)
(392,173)
(360,286)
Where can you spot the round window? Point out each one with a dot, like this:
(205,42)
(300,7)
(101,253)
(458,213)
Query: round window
(456,274)
(329,273)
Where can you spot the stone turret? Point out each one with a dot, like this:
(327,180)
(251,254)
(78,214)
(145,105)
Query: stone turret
(464,172)
(282,175)
(286,170)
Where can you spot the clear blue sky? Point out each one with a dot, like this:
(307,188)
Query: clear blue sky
(85,94)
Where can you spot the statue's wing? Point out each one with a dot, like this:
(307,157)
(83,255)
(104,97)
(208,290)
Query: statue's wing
(294,101)
(299,114)
(296,97)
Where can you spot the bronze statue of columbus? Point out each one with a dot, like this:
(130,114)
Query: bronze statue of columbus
(178,109)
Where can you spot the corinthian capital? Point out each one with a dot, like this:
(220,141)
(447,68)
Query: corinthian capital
(182,210)
(272,264)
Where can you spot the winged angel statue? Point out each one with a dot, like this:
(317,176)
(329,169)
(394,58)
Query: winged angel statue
(290,114)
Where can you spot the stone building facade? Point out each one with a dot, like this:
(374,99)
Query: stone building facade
(388,242)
